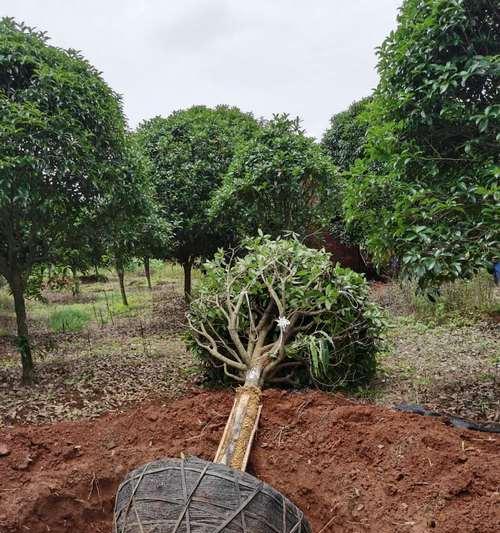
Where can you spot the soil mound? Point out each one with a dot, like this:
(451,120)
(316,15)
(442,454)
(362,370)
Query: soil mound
(350,468)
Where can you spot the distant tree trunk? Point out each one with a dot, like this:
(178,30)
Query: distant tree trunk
(75,289)
(16,284)
(147,272)
(96,271)
(187,265)
(121,278)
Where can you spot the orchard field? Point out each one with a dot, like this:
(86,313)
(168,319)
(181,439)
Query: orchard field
(117,387)
(239,302)
(95,355)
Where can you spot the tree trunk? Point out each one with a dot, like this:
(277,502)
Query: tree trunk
(187,266)
(121,278)
(75,289)
(236,443)
(147,271)
(17,287)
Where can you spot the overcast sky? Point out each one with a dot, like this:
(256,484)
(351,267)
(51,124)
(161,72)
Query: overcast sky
(309,58)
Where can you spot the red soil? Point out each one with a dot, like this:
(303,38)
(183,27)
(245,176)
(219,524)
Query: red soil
(351,468)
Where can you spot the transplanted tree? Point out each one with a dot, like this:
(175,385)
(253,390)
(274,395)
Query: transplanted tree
(427,188)
(189,153)
(281,313)
(280,180)
(61,136)
(344,140)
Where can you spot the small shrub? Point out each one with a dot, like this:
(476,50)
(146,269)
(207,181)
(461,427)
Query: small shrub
(156,264)
(69,319)
(285,312)
(133,265)
(94,278)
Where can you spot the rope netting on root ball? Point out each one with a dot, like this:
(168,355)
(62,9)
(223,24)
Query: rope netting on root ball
(274,312)
(181,496)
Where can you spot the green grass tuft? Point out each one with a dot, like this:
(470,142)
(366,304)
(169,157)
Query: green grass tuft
(6,301)
(69,319)
(462,302)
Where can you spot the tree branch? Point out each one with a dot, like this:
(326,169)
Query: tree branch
(212,347)
(233,323)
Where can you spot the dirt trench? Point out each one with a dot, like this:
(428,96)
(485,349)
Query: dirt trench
(351,468)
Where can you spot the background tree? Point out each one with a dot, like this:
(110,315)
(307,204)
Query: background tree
(130,219)
(427,190)
(189,152)
(78,248)
(344,140)
(153,233)
(153,240)
(61,134)
(280,180)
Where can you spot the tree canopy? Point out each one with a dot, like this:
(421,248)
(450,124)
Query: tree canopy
(284,312)
(344,140)
(61,138)
(280,180)
(427,190)
(189,152)
(130,222)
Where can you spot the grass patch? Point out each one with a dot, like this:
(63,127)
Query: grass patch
(6,301)
(461,302)
(108,306)
(69,319)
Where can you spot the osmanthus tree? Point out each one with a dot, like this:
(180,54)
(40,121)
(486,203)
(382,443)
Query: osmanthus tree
(344,140)
(152,236)
(280,312)
(153,240)
(280,180)
(427,190)
(139,236)
(189,152)
(61,137)
(130,219)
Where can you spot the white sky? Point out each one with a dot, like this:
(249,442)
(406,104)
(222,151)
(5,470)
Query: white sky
(309,58)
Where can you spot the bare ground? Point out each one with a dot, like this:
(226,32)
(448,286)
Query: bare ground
(351,468)
(453,368)
(139,354)
(105,367)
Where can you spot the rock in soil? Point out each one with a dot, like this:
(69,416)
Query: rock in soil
(351,468)
(4,449)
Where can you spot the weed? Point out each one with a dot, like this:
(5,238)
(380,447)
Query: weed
(69,319)
(368,393)
(459,303)
(6,301)
(189,371)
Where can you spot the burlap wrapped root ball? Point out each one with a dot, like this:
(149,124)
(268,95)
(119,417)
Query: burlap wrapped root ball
(196,496)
